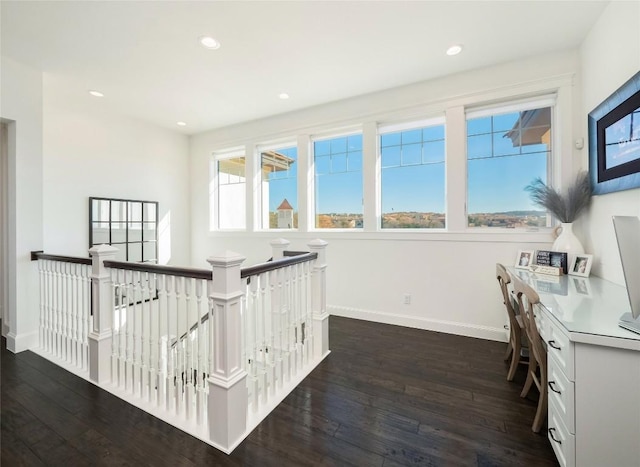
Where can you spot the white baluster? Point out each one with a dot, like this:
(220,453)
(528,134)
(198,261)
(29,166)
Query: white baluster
(199,340)
(153,317)
(47,299)
(122,331)
(188,365)
(171,351)
(262,329)
(161,365)
(76,314)
(252,337)
(115,328)
(42,304)
(276,318)
(179,367)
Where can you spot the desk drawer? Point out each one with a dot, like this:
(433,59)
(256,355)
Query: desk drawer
(559,347)
(563,442)
(541,322)
(561,393)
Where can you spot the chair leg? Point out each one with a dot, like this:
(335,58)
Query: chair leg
(541,413)
(533,365)
(515,360)
(509,349)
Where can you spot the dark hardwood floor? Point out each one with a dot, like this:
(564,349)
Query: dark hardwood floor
(386,396)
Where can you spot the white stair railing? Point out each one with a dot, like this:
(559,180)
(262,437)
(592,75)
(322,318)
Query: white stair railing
(277,313)
(159,341)
(210,351)
(65,318)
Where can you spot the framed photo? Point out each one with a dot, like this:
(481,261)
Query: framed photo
(524,259)
(614,140)
(556,259)
(581,286)
(581,265)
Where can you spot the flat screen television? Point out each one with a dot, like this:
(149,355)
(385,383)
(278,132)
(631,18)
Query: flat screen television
(628,234)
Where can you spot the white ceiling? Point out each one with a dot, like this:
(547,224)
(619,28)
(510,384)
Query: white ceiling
(145,55)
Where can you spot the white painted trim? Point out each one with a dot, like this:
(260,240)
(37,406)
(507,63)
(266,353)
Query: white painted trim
(449,327)
(497,236)
(21,342)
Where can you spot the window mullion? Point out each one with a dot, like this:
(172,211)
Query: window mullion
(456,169)
(371,177)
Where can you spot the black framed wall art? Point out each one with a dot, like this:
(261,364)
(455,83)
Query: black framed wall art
(614,140)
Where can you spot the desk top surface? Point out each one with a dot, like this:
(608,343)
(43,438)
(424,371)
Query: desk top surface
(588,308)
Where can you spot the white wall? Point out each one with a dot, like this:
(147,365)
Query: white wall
(610,55)
(21,106)
(91,152)
(449,275)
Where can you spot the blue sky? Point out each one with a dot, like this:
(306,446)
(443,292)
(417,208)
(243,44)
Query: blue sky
(497,171)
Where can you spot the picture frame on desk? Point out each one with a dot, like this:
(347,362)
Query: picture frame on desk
(581,265)
(524,259)
(580,286)
(556,259)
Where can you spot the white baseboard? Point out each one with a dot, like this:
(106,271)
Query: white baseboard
(428,324)
(22,342)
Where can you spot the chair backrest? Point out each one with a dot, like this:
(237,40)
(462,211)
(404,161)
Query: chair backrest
(528,317)
(503,280)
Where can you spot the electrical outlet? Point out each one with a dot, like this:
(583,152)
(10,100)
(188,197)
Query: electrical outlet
(407,299)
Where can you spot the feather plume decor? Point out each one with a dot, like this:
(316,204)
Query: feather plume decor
(567,206)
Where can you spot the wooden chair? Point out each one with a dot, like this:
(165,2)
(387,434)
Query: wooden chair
(516,327)
(537,351)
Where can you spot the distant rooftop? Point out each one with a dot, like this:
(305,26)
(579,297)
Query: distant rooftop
(285,206)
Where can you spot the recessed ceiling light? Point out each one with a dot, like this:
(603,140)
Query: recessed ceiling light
(96,93)
(209,43)
(283,95)
(181,124)
(454,49)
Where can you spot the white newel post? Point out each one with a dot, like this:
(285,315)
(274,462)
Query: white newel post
(278,247)
(228,396)
(319,299)
(100,335)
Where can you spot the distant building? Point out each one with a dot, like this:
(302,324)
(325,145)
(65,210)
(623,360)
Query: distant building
(285,215)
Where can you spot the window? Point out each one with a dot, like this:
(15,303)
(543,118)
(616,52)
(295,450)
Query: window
(129,225)
(338,182)
(413,176)
(506,150)
(279,187)
(231,189)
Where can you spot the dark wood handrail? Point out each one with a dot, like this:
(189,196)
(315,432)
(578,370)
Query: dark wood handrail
(293,253)
(158,269)
(290,258)
(36,255)
(276,264)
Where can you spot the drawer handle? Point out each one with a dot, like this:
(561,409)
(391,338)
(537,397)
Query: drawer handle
(552,344)
(551,386)
(551,432)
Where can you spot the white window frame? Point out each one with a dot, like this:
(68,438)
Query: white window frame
(510,106)
(214,192)
(259,201)
(311,188)
(385,128)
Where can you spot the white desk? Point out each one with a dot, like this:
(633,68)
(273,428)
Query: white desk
(593,370)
